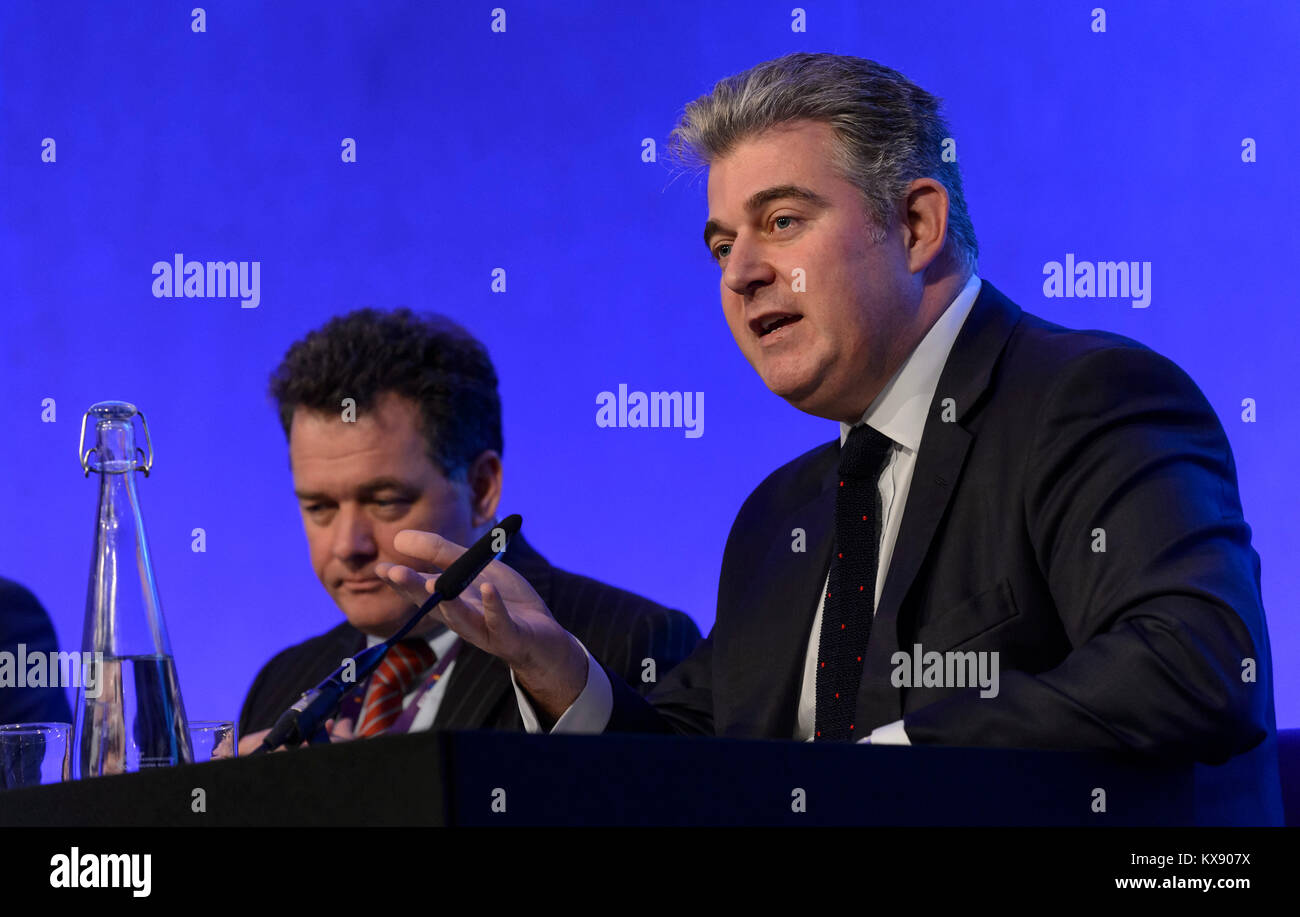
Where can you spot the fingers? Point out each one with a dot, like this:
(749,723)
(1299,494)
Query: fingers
(496,617)
(225,748)
(492,629)
(439,552)
(402,577)
(415,587)
(251,741)
(429,547)
(466,621)
(409,584)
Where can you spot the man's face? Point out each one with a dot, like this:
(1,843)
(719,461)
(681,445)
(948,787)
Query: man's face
(778,207)
(359,484)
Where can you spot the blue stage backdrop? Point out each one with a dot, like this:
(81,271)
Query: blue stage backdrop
(1157,132)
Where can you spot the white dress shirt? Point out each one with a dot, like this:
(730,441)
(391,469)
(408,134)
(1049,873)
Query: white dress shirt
(441,640)
(899,412)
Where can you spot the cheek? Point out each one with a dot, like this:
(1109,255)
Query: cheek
(318,543)
(733,314)
(384,532)
(444,519)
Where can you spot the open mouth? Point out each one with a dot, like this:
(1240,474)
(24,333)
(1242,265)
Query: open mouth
(774,322)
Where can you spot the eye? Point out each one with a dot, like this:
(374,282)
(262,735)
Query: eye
(718,253)
(777,220)
(391,503)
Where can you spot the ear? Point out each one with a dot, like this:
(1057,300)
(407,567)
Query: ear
(484,480)
(925,219)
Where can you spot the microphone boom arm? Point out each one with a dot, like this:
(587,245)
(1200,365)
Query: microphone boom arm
(304,721)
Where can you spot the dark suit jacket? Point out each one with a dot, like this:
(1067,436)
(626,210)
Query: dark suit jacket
(1055,433)
(619,628)
(23,620)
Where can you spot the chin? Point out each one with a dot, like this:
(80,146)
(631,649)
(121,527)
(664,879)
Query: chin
(796,389)
(373,618)
(805,386)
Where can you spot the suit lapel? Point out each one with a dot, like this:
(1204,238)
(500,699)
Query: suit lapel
(308,667)
(345,641)
(770,640)
(477,684)
(942,454)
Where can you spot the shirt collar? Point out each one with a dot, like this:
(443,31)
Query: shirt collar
(440,640)
(900,410)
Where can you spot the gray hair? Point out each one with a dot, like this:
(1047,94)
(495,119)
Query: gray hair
(888,130)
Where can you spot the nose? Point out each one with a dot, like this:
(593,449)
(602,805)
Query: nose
(353,536)
(747,268)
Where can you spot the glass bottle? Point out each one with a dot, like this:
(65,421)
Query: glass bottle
(129,712)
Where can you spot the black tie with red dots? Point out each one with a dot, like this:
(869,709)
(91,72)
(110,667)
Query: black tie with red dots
(851,589)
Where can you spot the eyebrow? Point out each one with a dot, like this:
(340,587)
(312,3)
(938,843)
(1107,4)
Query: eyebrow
(766,196)
(366,489)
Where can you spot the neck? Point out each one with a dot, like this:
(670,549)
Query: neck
(936,296)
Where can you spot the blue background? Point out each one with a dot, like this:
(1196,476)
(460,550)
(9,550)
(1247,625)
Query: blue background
(522,150)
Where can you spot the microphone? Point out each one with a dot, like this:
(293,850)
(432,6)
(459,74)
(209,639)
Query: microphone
(305,717)
(466,568)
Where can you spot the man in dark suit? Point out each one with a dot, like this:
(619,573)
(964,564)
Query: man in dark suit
(1025,536)
(393,422)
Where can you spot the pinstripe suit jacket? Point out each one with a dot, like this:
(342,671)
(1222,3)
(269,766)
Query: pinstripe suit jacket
(619,628)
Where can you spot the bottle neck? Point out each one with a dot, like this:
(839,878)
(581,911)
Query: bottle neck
(115,451)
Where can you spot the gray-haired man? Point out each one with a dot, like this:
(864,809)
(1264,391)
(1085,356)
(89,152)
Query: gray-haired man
(981,450)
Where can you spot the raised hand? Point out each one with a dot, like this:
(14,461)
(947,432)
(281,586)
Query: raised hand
(501,614)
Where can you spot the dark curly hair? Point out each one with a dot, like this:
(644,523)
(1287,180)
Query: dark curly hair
(428,358)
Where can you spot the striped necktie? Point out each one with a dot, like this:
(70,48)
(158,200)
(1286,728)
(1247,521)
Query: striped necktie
(404,665)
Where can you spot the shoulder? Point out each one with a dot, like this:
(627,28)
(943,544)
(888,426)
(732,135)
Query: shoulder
(17,597)
(22,617)
(1098,411)
(1098,393)
(1051,359)
(293,670)
(793,485)
(332,644)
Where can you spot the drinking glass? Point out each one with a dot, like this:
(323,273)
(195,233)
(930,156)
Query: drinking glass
(34,753)
(213,740)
